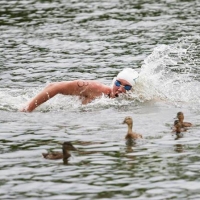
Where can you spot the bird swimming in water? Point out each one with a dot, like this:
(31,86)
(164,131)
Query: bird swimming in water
(131,136)
(180,117)
(178,127)
(55,155)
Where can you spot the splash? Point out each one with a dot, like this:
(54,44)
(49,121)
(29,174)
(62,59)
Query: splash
(16,99)
(169,73)
(9,99)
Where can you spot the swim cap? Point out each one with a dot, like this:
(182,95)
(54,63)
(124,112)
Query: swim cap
(128,74)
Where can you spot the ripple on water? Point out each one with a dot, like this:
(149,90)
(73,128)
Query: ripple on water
(48,41)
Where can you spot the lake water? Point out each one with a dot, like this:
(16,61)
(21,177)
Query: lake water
(47,41)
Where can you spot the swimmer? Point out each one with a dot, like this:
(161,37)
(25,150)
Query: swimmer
(87,90)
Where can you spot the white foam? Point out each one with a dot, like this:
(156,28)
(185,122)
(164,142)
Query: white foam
(169,73)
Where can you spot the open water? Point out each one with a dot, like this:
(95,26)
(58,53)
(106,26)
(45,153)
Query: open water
(43,41)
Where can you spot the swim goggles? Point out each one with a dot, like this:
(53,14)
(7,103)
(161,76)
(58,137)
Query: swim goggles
(126,87)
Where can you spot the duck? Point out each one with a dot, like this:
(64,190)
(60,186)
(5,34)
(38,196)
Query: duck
(131,136)
(180,117)
(55,155)
(178,129)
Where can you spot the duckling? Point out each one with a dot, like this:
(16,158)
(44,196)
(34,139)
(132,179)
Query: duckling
(55,155)
(181,128)
(130,136)
(180,117)
(177,126)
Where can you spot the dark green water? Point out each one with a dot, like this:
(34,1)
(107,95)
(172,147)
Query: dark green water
(47,41)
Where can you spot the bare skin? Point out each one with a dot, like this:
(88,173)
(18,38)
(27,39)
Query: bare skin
(87,90)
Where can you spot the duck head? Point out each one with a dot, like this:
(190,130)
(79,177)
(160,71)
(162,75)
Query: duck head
(128,120)
(180,116)
(67,146)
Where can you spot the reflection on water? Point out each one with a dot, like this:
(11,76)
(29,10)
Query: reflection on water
(46,41)
(179,148)
(178,136)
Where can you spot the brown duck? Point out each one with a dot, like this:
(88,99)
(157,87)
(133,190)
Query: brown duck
(180,117)
(178,129)
(130,136)
(55,155)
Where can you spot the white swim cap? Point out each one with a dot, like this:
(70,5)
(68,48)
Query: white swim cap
(128,74)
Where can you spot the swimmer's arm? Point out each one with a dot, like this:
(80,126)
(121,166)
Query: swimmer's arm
(66,88)
(86,90)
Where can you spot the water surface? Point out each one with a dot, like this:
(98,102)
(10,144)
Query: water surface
(48,41)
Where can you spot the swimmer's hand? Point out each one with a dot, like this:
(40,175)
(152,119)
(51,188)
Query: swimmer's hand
(24,109)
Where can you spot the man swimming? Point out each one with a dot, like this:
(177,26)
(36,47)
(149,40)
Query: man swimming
(87,90)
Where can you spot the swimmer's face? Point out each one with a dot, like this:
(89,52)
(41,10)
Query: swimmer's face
(121,86)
